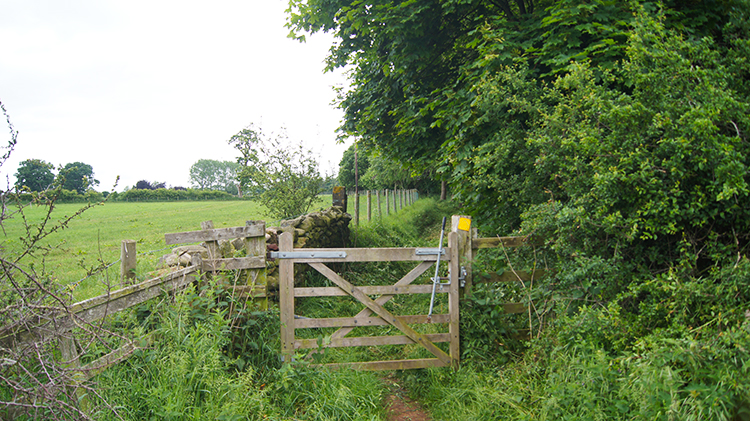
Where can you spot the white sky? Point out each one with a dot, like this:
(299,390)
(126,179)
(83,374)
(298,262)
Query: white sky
(145,88)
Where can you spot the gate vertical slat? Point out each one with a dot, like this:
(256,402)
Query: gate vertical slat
(286,297)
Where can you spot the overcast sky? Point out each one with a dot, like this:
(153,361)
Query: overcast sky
(144,89)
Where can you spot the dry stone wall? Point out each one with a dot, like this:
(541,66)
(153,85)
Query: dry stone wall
(327,228)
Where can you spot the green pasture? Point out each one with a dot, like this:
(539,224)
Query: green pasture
(94,238)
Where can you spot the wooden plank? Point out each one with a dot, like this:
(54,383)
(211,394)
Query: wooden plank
(365,321)
(406,280)
(235,263)
(134,293)
(118,355)
(369,341)
(286,297)
(390,365)
(369,290)
(381,311)
(493,242)
(453,300)
(509,276)
(215,234)
(372,255)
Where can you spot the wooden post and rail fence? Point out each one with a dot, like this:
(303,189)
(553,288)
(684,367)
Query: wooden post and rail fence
(462,247)
(378,203)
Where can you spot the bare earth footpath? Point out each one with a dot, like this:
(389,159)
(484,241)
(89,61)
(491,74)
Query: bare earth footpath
(398,405)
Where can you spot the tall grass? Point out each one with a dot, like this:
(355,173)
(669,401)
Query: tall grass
(193,371)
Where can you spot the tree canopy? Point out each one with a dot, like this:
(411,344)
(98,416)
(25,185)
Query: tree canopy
(209,174)
(34,174)
(617,129)
(79,177)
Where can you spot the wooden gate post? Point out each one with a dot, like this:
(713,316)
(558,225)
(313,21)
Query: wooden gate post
(286,297)
(461,224)
(453,300)
(127,260)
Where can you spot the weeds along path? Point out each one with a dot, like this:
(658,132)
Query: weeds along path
(398,405)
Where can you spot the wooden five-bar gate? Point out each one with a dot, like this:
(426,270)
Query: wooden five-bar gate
(374,312)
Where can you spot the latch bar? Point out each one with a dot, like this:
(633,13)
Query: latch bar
(429,251)
(307,254)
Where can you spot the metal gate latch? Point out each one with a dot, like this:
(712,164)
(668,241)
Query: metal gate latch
(462,277)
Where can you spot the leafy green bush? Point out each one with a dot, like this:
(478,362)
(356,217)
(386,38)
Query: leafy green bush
(164,195)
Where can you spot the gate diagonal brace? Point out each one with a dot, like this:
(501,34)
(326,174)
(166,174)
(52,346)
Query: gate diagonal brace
(406,280)
(382,312)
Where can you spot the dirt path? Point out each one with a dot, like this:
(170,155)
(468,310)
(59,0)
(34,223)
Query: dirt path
(399,406)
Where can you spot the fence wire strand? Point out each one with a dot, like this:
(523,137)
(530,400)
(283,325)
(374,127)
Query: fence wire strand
(74,285)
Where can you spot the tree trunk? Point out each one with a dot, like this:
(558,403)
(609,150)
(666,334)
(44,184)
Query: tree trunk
(443,190)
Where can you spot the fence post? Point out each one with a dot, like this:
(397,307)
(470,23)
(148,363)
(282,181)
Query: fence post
(286,297)
(212,246)
(369,205)
(127,260)
(387,202)
(461,224)
(356,207)
(380,210)
(339,197)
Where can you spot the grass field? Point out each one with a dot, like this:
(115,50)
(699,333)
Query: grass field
(97,234)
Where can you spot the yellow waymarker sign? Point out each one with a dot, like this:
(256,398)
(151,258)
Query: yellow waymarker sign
(464,224)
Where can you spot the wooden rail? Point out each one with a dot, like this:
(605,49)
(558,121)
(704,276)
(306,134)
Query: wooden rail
(93,309)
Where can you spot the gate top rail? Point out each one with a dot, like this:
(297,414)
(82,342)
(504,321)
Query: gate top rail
(394,254)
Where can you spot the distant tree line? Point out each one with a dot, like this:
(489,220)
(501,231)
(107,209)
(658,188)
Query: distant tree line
(37,175)
(173,194)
